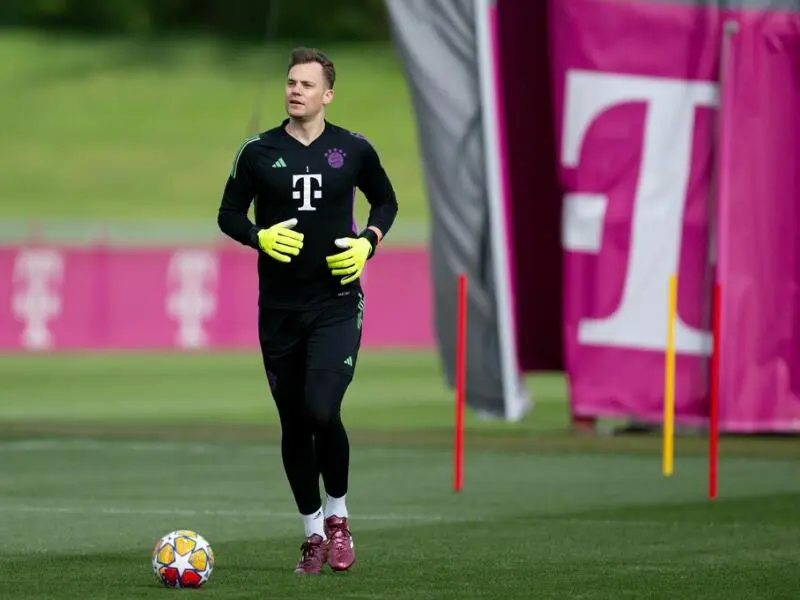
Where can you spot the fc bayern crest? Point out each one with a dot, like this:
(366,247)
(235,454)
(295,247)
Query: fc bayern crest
(336,157)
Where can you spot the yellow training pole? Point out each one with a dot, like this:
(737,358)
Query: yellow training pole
(669,379)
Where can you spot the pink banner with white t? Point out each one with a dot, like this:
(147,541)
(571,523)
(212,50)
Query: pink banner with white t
(637,145)
(107,298)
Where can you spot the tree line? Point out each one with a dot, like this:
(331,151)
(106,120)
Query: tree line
(234,20)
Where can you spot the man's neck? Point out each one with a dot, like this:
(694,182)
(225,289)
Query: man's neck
(306,131)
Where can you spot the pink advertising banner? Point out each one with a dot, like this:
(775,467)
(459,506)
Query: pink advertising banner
(759,225)
(637,146)
(75,299)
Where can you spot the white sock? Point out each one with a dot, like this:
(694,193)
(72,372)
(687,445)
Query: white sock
(314,523)
(336,506)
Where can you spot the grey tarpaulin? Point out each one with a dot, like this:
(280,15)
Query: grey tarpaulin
(438,44)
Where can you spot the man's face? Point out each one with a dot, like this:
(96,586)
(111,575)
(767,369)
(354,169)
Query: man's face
(306,91)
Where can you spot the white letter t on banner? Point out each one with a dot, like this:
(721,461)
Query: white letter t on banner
(639,320)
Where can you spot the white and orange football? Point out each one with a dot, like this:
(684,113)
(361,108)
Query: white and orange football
(183,559)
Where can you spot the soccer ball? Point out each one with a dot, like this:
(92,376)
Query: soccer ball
(183,559)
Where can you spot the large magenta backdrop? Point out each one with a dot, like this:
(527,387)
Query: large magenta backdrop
(618,180)
(55,298)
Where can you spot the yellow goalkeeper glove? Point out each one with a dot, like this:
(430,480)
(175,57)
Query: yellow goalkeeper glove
(350,263)
(279,241)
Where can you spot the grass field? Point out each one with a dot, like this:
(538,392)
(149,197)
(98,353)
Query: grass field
(102,455)
(116,129)
(79,519)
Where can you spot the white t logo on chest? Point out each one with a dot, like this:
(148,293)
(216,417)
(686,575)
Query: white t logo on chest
(307,191)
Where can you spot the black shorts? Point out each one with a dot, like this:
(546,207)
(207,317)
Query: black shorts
(327,338)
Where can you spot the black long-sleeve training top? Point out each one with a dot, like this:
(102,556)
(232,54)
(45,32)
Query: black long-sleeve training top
(316,185)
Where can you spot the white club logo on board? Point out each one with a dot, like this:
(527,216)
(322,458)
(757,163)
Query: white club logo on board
(36,297)
(192,294)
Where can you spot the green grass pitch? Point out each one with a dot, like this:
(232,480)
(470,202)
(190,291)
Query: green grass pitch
(100,455)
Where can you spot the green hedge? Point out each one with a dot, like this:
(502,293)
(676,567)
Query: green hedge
(245,20)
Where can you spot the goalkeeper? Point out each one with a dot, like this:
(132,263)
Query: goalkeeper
(302,176)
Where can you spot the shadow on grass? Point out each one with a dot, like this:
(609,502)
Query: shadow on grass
(496,440)
(759,509)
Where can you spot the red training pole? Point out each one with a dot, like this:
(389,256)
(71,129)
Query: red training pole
(713,414)
(461,382)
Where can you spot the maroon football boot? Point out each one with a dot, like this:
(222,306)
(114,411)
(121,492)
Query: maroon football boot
(313,557)
(341,554)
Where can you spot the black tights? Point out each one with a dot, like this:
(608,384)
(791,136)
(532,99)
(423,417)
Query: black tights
(314,441)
